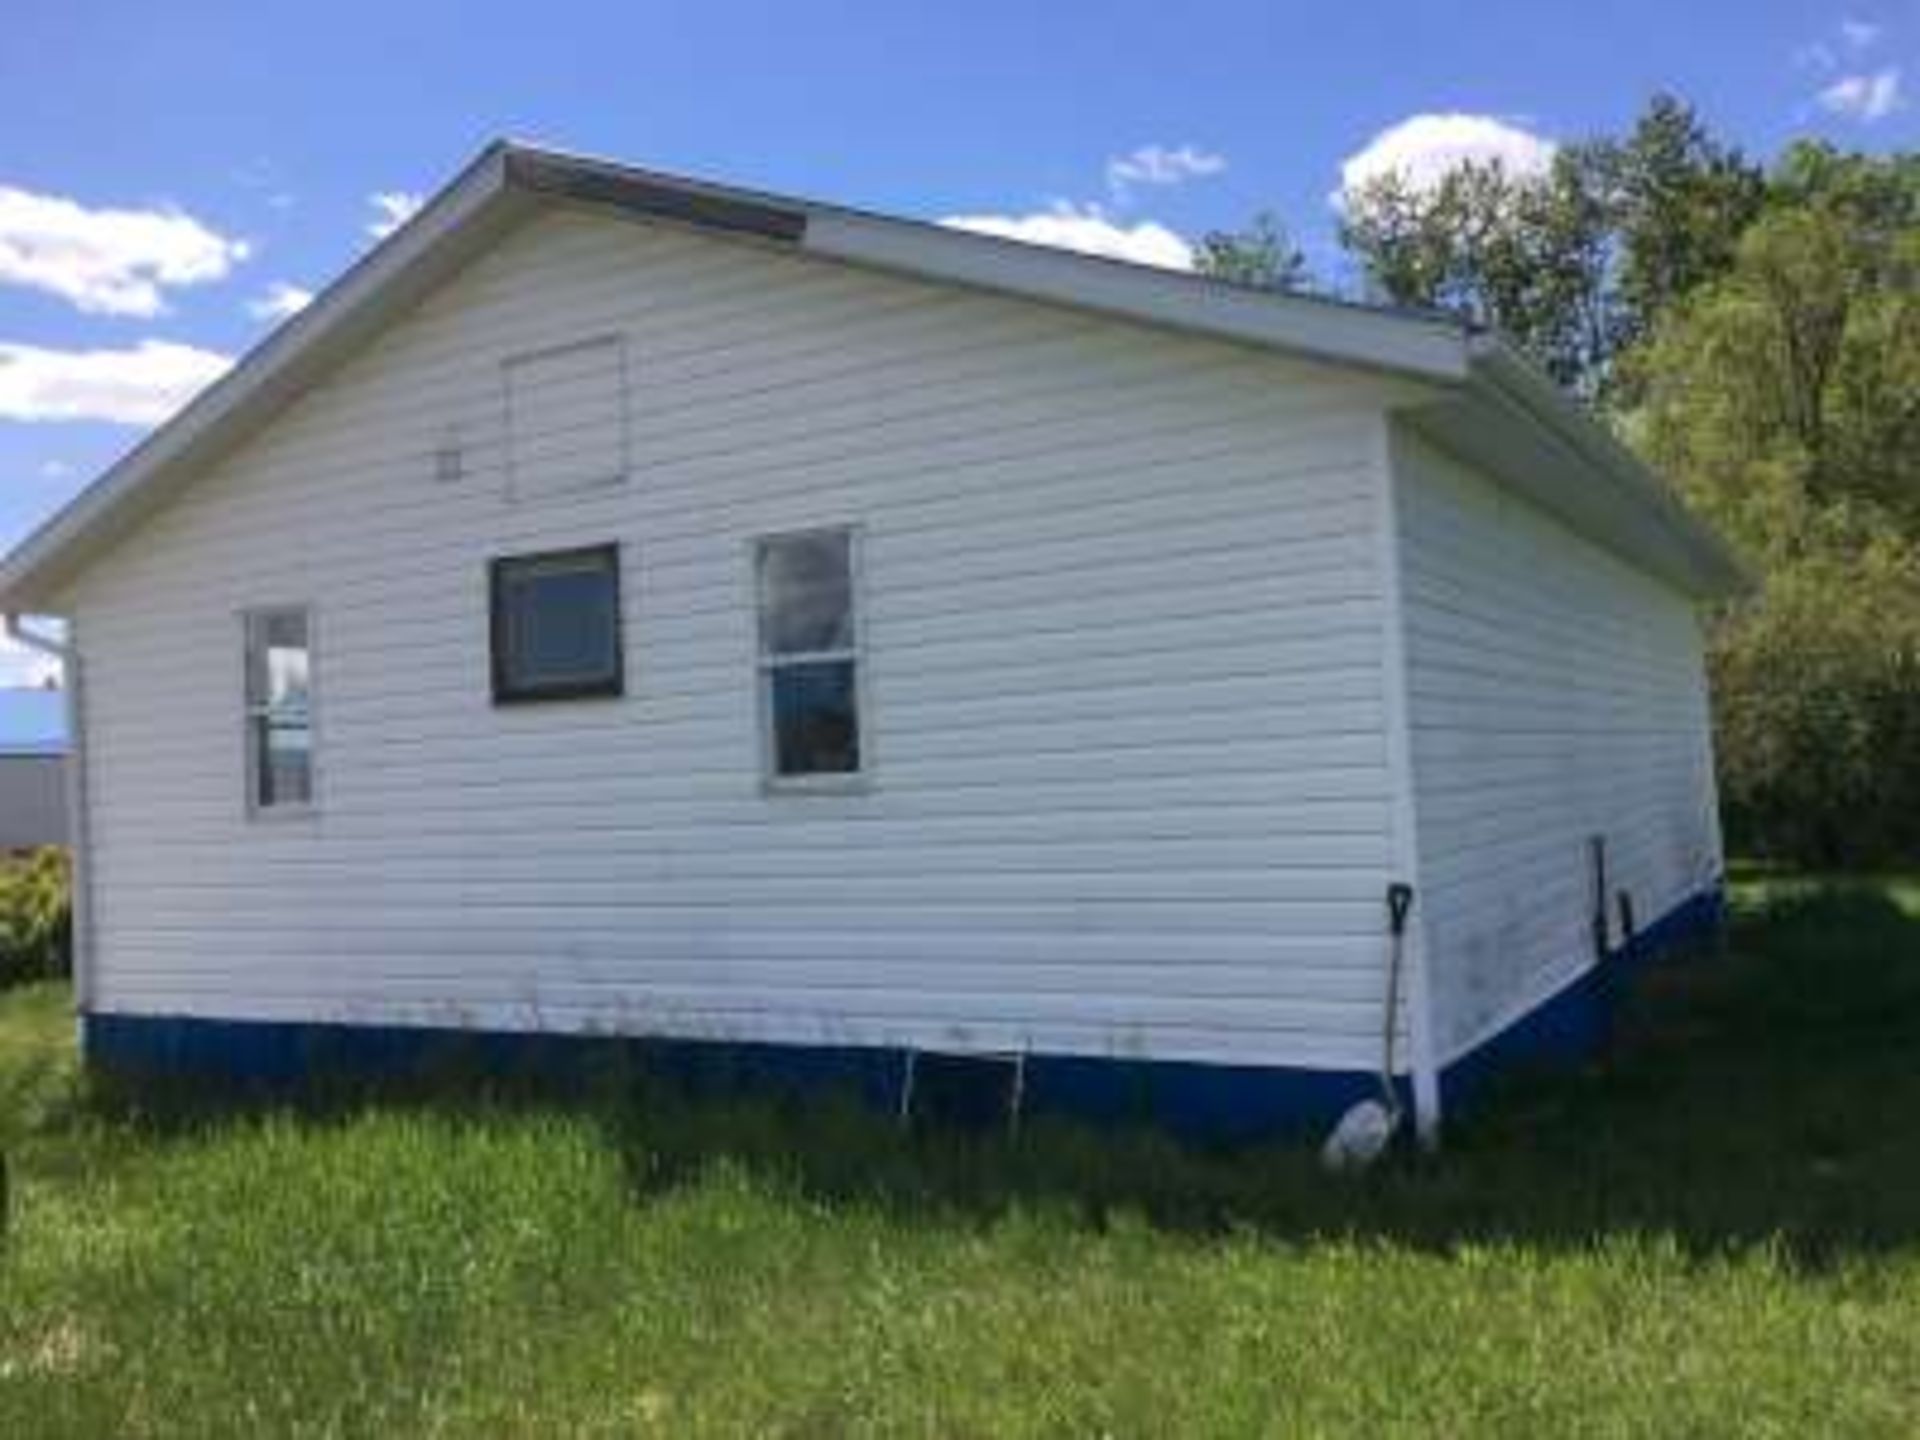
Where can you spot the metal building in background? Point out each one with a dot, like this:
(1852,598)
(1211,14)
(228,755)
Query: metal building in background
(33,758)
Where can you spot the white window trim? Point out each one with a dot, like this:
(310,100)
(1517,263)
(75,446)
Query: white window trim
(250,712)
(851,782)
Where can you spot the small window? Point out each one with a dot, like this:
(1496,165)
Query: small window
(809,656)
(556,625)
(279,710)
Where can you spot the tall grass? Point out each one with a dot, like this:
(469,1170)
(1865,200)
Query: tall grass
(1715,1234)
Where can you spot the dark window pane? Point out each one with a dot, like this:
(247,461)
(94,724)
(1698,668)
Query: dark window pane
(284,629)
(806,593)
(557,625)
(560,627)
(815,718)
(283,762)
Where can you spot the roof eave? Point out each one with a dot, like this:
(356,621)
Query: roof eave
(263,380)
(1403,345)
(508,178)
(1418,344)
(1496,367)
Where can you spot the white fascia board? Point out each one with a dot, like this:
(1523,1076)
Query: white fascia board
(1429,348)
(1511,379)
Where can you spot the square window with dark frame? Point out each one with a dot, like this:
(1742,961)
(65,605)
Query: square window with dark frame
(809,655)
(279,705)
(556,625)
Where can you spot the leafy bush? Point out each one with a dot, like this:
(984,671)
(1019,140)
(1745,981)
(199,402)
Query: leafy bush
(36,918)
(1817,704)
(1781,398)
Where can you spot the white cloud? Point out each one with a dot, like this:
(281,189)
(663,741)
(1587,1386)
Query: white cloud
(1422,149)
(1853,35)
(55,470)
(1091,230)
(279,301)
(139,386)
(392,209)
(1859,34)
(1159,165)
(21,666)
(1864,97)
(1087,230)
(107,262)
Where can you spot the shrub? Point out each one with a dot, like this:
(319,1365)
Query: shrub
(1817,710)
(36,917)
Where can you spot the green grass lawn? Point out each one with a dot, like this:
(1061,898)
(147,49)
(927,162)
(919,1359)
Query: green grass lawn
(1717,1233)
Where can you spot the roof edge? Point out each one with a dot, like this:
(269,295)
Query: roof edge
(508,177)
(358,290)
(1495,363)
(666,197)
(1419,346)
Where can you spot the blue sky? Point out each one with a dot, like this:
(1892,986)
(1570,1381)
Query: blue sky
(167,173)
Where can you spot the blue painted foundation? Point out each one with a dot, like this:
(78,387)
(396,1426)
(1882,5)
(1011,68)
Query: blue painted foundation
(1577,1022)
(1206,1103)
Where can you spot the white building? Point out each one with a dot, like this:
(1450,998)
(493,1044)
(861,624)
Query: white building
(625,604)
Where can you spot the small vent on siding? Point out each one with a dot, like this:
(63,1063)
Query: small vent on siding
(566,418)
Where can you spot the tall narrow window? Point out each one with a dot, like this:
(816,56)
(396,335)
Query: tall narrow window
(809,655)
(279,709)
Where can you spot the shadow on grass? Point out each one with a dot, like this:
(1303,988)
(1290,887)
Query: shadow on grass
(1762,1095)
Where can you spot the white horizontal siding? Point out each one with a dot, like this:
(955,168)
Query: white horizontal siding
(1124,681)
(1555,693)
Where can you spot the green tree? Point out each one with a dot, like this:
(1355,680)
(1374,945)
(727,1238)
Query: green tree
(1879,195)
(1262,256)
(1817,707)
(1784,399)
(1679,202)
(1575,264)
(1793,384)
(1527,255)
